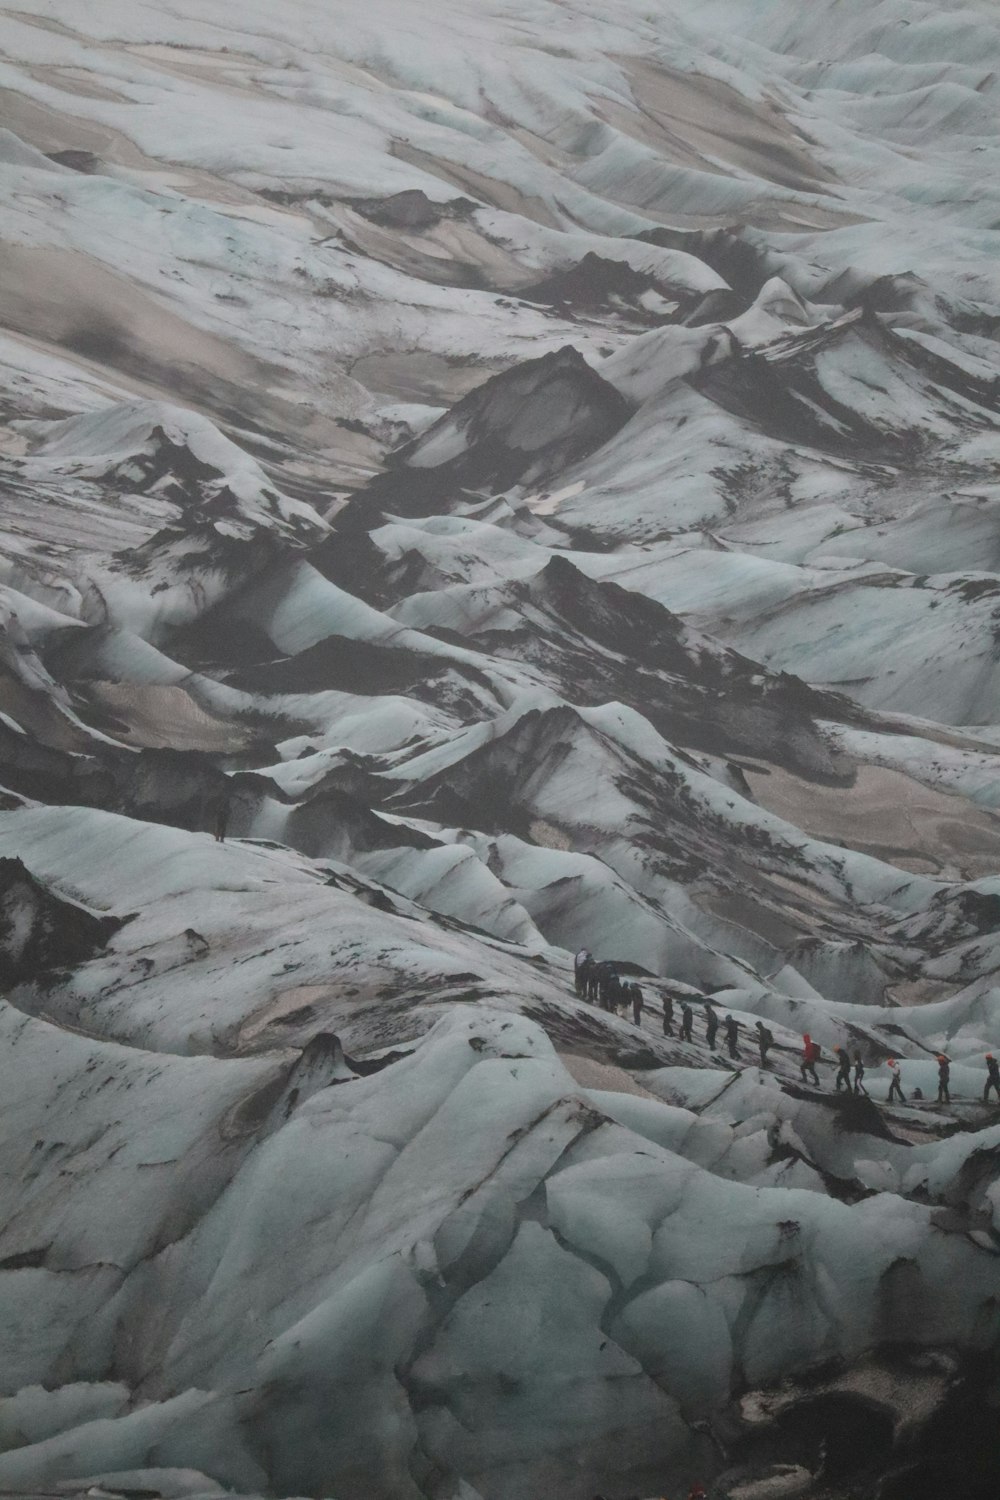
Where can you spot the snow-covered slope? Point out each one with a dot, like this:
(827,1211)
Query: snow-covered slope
(527,472)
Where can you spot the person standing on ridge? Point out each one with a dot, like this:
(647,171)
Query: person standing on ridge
(687,1016)
(810,1052)
(668,1016)
(223,808)
(992,1077)
(859,1075)
(843,1069)
(588,983)
(581,965)
(944,1079)
(637,1003)
(732,1033)
(765,1040)
(711,1025)
(895,1086)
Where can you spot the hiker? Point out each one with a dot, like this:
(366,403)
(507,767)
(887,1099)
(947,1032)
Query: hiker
(944,1078)
(765,1040)
(843,1068)
(581,968)
(222,811)
(732,1032)
(711,1025)
(601,978)
(588,980)
(992,1077)
(668,1016)
(895,1087)
(810,1053)
(687,1017)
(594,983)
(637,1004)
(859,1076)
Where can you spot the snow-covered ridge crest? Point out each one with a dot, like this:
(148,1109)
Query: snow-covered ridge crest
(180,456)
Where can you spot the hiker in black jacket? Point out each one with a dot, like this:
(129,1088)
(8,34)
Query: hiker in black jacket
(992,1077)
(859,1076)
(732,1033)
(944,1079)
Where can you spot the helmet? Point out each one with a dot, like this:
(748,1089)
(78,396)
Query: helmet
(989,1057)
(891,1062)
(941,1057)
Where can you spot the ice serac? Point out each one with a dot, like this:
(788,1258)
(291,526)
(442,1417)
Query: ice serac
(477,482)
(855,387)
(526,425)
(40,930)
(576,631)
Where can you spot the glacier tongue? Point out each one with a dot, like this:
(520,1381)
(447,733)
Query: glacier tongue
(484,481)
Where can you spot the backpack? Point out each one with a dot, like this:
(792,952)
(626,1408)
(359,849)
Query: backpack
(814,1053)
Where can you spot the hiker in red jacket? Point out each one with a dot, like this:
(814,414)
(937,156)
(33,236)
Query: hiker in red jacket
(810,1055)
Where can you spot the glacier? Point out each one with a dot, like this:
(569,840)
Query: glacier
(480,481)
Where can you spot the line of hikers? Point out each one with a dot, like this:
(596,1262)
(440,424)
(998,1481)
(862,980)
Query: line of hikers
(944,1080)
(601,984)
(810,1054)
